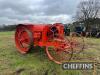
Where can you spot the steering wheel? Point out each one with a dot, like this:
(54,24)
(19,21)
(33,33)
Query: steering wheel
(54,31)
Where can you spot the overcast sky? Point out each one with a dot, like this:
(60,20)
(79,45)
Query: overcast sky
(37,11)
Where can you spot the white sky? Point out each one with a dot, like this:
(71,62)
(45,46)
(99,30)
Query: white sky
(37,11)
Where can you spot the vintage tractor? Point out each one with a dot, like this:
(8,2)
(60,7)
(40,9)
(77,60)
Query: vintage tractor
(51,36)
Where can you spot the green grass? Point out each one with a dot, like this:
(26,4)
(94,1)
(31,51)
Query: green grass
(37,63)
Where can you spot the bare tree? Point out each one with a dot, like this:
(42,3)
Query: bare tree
(87,10)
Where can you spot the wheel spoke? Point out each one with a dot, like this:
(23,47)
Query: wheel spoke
(77,42)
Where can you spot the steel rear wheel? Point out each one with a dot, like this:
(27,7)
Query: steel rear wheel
(59,56)
(23,39)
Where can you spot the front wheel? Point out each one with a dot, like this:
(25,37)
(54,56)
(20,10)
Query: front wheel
(58,55)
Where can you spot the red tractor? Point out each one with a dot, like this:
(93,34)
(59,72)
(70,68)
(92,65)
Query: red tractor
(58,47)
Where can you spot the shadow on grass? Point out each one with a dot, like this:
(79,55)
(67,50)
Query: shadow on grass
(39,52)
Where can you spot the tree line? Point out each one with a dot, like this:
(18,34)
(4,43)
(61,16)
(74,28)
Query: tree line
(7,27)
(88,13)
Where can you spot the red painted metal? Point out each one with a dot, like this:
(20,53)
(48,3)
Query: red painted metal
(49,36)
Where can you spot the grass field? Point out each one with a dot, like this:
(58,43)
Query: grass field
(37,63)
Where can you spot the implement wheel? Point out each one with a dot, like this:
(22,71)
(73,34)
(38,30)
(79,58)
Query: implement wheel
(23,39)
(59,55)
(77,42)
